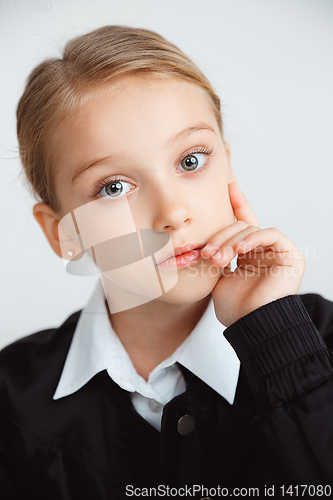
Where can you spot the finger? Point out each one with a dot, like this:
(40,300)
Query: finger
(230,248)
(241,206)
(271,239)
(218,239)
(263,257)
(260,245)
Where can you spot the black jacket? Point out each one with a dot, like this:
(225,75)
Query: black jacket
(93,445)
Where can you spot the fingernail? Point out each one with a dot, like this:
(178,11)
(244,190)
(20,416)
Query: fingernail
(218,255)
(208,248)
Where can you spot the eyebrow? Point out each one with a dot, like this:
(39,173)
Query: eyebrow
(183,134)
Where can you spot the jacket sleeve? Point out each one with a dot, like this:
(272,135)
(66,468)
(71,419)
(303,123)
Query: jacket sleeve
(290,369)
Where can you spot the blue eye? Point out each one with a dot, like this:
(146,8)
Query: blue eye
(193,161)
(115,189)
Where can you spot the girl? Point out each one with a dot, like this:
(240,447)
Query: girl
(181,377)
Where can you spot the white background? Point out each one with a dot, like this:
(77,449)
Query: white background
(270,61)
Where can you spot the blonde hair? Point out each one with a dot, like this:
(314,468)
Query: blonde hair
(56,88)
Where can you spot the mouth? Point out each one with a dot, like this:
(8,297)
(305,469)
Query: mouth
(182,256)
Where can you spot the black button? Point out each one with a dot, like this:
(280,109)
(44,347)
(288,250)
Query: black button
(185,425)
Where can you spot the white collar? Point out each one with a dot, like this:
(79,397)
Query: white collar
(96,347)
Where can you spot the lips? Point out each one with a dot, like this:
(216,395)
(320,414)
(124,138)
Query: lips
(182,249)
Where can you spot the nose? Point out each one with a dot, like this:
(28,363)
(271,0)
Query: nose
(171,211)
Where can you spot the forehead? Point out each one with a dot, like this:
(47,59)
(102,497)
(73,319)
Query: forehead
(137,115)
(132,86)
(161,102)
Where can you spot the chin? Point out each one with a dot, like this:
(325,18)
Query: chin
(190,289)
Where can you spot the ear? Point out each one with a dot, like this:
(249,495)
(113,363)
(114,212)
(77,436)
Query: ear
(232,174)
(49,222)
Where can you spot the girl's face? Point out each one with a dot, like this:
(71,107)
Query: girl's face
(154,144)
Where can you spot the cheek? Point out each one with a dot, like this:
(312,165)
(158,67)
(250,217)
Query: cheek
(223,207)
(215,206)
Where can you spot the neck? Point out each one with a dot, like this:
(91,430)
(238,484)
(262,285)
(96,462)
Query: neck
(151,332)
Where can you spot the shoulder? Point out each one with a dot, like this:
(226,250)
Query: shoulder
(35,354)
(43,337)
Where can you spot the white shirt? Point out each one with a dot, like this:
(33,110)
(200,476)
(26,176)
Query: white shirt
(96,347)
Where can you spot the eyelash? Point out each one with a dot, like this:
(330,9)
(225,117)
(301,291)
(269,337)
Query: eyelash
(105,182)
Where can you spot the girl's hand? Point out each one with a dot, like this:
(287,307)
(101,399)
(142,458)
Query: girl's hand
(269,264)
